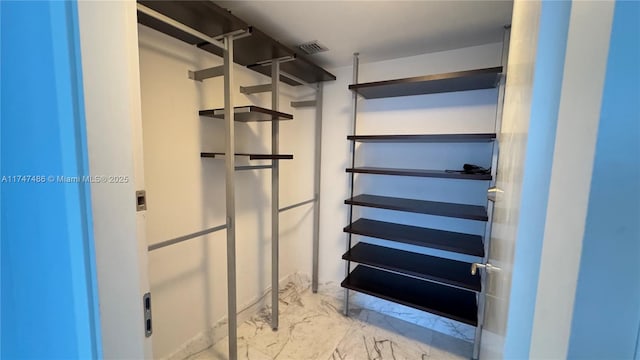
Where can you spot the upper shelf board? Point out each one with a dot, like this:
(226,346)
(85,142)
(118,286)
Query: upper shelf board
(431,84)
(429,138)
(248,114)
(213,20)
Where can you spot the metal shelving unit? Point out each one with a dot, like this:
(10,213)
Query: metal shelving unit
(215,30)
(434,284)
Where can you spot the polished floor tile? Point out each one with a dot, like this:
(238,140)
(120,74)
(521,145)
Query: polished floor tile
(311,326)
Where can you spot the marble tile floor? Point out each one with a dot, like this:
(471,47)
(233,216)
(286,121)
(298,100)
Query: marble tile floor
(312,326)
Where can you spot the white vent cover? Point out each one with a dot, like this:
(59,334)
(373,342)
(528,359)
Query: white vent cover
(312,47)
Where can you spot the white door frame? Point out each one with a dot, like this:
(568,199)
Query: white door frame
(111,78)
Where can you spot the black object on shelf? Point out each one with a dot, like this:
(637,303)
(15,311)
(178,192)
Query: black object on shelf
(449,82)
(471,169)
(248,114)
(420,236)
(251,156)
(447,301)
(428,138)
(419,173)
(461,211)
(213,20)
(426,267)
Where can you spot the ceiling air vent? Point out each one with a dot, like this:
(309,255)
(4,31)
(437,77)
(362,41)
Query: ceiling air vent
(312,47)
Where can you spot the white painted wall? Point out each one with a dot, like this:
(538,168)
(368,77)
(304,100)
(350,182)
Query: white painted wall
(441,113)
(112,105)
(513,140)
(538,42)
(186,193)
(578,119)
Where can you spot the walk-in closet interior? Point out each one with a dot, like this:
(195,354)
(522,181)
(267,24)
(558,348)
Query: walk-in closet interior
(319,180)
(290,201)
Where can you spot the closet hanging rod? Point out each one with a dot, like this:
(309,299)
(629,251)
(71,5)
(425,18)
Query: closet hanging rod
(296,205)
(180,26)
(180,239)
(254,167)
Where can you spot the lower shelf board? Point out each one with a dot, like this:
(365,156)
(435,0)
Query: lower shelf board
(432,268)
(442,300)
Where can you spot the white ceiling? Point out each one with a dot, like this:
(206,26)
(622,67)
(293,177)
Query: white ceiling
(379,30)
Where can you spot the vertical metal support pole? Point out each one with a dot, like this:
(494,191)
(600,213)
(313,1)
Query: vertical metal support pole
(275,196)
(494,172)
(316,191)
(354,114)
(230,196)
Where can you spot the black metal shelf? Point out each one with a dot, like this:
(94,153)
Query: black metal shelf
(251,156)
(430,138)
(414,235)
(418,173)
(461,211)
(248,114)
(213,20)
(430,84)
(449,272)
(446,301)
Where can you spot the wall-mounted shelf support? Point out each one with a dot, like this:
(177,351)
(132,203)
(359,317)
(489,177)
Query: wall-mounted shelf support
(301,104)
(275,197)
(255,89)
(204,74)
(354,116)
(316,190)
(230,166)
